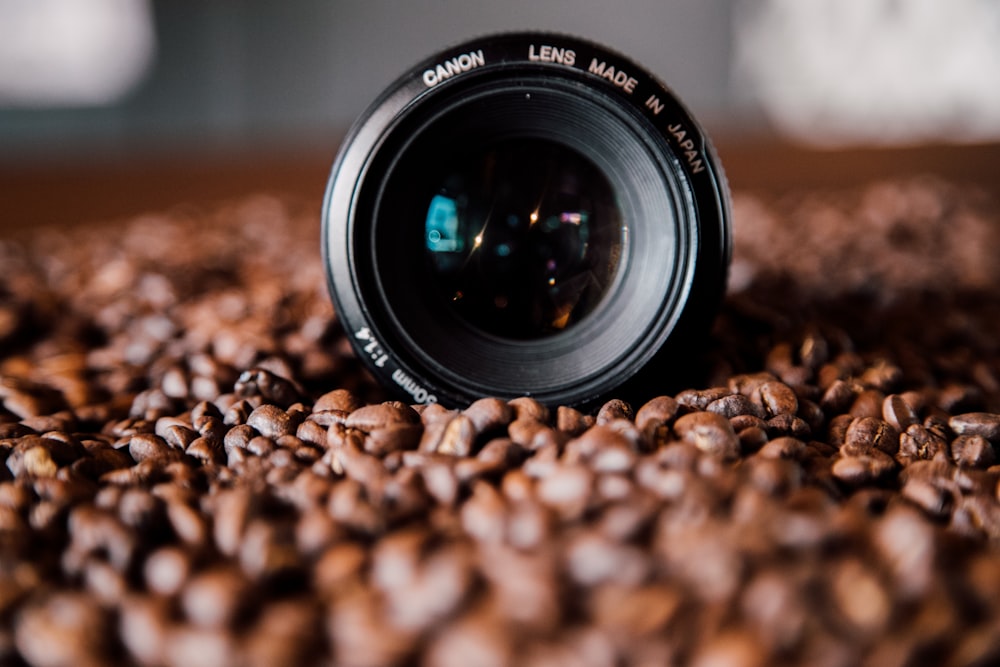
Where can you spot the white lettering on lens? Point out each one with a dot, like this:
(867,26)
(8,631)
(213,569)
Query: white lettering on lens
(655,104)
(687,145)
(412,387)
(552,54)
(457,65)
(617,77)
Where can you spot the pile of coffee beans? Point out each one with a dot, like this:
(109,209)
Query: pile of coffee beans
(196,471)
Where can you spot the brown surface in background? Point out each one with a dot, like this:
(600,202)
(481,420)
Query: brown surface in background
(77,193)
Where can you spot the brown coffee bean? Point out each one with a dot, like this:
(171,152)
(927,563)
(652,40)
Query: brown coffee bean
(338,399)
(932,499)
(698,400)
(984,424)
(143,446)
(489,414)
(393,438)
(382,415)
(709,432)
(571,421)
(861,469)
(868,403)
(787,425)
(735,405)
(869,433)
(614,409)
(269,386)
(526,407)
(776,398)
(898,413)
(972,451)
(921,443)
(783,448)
(63,629)
(455,436)
(271,421)
(838,397)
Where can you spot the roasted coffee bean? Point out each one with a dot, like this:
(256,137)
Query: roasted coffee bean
(709,432)
(371,417)
(269,386)
(984,424)
(898,413)
(869,433)
(776,398)
(489,414)
(698,400)
(972,451)
(526,407)
(735,405)
(862,469)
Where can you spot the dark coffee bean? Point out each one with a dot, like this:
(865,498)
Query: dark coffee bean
(838,398)
(972,451)
(382,415)
(571,421)
(709,432)
(921,443)
(776,398)
(752,438)
(238,412)
(787,425)
(863,469)
(868,403)
(271,421)
(614,409)
(735,405)
(693,399)
(268,386)
(392,438)
(526,407)
(143,446)
(338,399)
(455,436)
(489,414)
(898,413)
(783,448)
(867,433)
(932,499)
(984,424)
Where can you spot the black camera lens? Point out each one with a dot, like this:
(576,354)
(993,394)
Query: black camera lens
(525,214)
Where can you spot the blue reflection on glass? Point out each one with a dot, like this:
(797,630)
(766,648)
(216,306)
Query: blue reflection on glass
(441,226)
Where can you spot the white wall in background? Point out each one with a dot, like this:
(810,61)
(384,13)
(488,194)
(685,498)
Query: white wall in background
(872,71)
(72,52)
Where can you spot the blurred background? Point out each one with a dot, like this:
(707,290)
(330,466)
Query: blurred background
(112,107)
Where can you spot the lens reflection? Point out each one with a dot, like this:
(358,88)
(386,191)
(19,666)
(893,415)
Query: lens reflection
(523,238)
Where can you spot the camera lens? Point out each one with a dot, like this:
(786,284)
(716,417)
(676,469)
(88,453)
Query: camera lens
(522,237)
(525,214)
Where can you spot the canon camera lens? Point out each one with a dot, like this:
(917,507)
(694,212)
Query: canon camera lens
(525,215)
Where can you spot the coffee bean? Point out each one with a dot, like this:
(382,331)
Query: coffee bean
(869,433)
(862,469)
(735,405)
(382,415)
(898,413)
(489,414)
(709,432)
(614,409)
(698,400)
(984,424)
(526,407)
(776,398)
(338,399)
(268,386)
(271,421)
(972,451)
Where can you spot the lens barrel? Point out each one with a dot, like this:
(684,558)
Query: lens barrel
(525,214)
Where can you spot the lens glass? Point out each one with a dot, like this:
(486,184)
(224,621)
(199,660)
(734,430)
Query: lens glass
(523,237)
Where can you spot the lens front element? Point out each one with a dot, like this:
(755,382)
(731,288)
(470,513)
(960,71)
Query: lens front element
(523,238)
